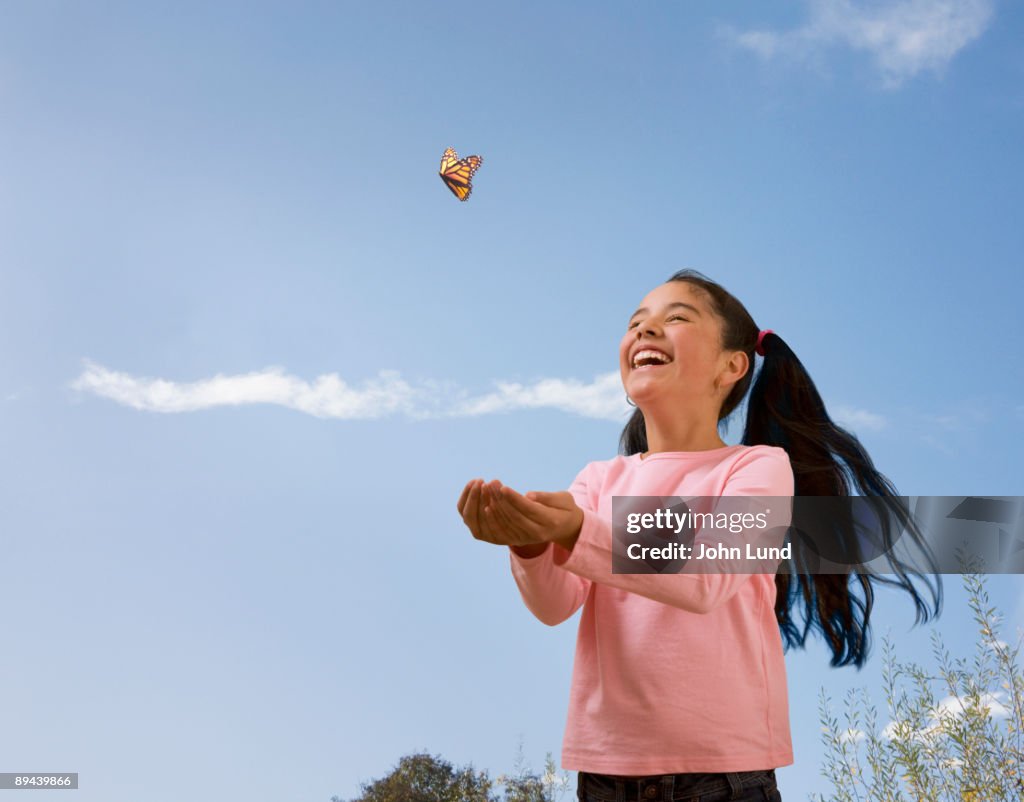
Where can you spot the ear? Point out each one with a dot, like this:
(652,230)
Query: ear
(734,369)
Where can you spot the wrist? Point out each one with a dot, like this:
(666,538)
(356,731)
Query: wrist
(530,550)
(569,541)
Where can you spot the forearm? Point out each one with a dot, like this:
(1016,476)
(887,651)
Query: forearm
(590,556)
(550,593)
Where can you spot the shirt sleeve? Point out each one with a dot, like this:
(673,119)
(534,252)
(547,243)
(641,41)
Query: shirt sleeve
(550,592)
(759,472)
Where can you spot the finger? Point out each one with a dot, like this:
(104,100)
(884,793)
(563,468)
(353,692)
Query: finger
(562,500)
(468,490)
(534,511)
(491,492)
(464,496)
(531,520)
(554,514)
(472,515)
(492,510)
(468,502)
(499,527)
(491,529)
(493,489)
(516,527)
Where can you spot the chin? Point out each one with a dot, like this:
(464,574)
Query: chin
(643,398)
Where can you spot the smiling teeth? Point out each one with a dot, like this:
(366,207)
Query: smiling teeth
(646,355)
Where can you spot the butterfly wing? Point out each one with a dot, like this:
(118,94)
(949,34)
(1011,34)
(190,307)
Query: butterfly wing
(462,191)
(457,173)
(448,160)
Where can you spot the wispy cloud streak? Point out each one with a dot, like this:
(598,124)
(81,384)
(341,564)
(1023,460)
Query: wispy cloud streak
(330,396)
(857,419)
(601,398)
(903,38)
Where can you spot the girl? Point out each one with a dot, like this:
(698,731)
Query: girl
(679,683)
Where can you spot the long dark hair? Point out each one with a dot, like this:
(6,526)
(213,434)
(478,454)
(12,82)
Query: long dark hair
(785,410)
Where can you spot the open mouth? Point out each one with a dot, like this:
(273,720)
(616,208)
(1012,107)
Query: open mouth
(649,358)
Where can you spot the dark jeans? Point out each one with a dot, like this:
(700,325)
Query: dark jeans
(742,786)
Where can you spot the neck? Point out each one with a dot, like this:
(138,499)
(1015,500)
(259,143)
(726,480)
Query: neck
(681,435)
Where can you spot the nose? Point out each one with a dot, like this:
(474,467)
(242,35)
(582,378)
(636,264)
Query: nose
(647,327)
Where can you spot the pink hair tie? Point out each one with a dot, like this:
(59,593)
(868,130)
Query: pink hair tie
(760,348)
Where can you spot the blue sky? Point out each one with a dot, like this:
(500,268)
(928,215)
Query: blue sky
(251,348)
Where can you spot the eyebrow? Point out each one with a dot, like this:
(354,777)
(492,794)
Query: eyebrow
(673,305)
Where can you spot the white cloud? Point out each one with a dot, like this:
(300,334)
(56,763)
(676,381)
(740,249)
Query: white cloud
(852,735)
(602,398)
(896,729)
(998,646)
(853,418)
(903,37)
(949,707)
(329,396)
(955,705)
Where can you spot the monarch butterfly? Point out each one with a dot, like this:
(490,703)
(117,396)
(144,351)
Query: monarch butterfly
(456,173)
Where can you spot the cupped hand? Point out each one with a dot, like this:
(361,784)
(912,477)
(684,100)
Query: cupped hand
(498,514)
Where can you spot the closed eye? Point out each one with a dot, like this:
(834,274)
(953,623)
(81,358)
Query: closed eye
(671,317)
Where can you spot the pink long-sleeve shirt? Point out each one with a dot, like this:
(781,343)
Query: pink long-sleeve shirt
(673,673)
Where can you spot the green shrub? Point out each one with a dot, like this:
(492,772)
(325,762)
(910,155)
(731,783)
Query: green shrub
(949,750)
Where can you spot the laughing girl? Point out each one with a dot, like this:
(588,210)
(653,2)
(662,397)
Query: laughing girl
(679,680)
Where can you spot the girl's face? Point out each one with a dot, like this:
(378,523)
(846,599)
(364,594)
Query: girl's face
(672,348)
